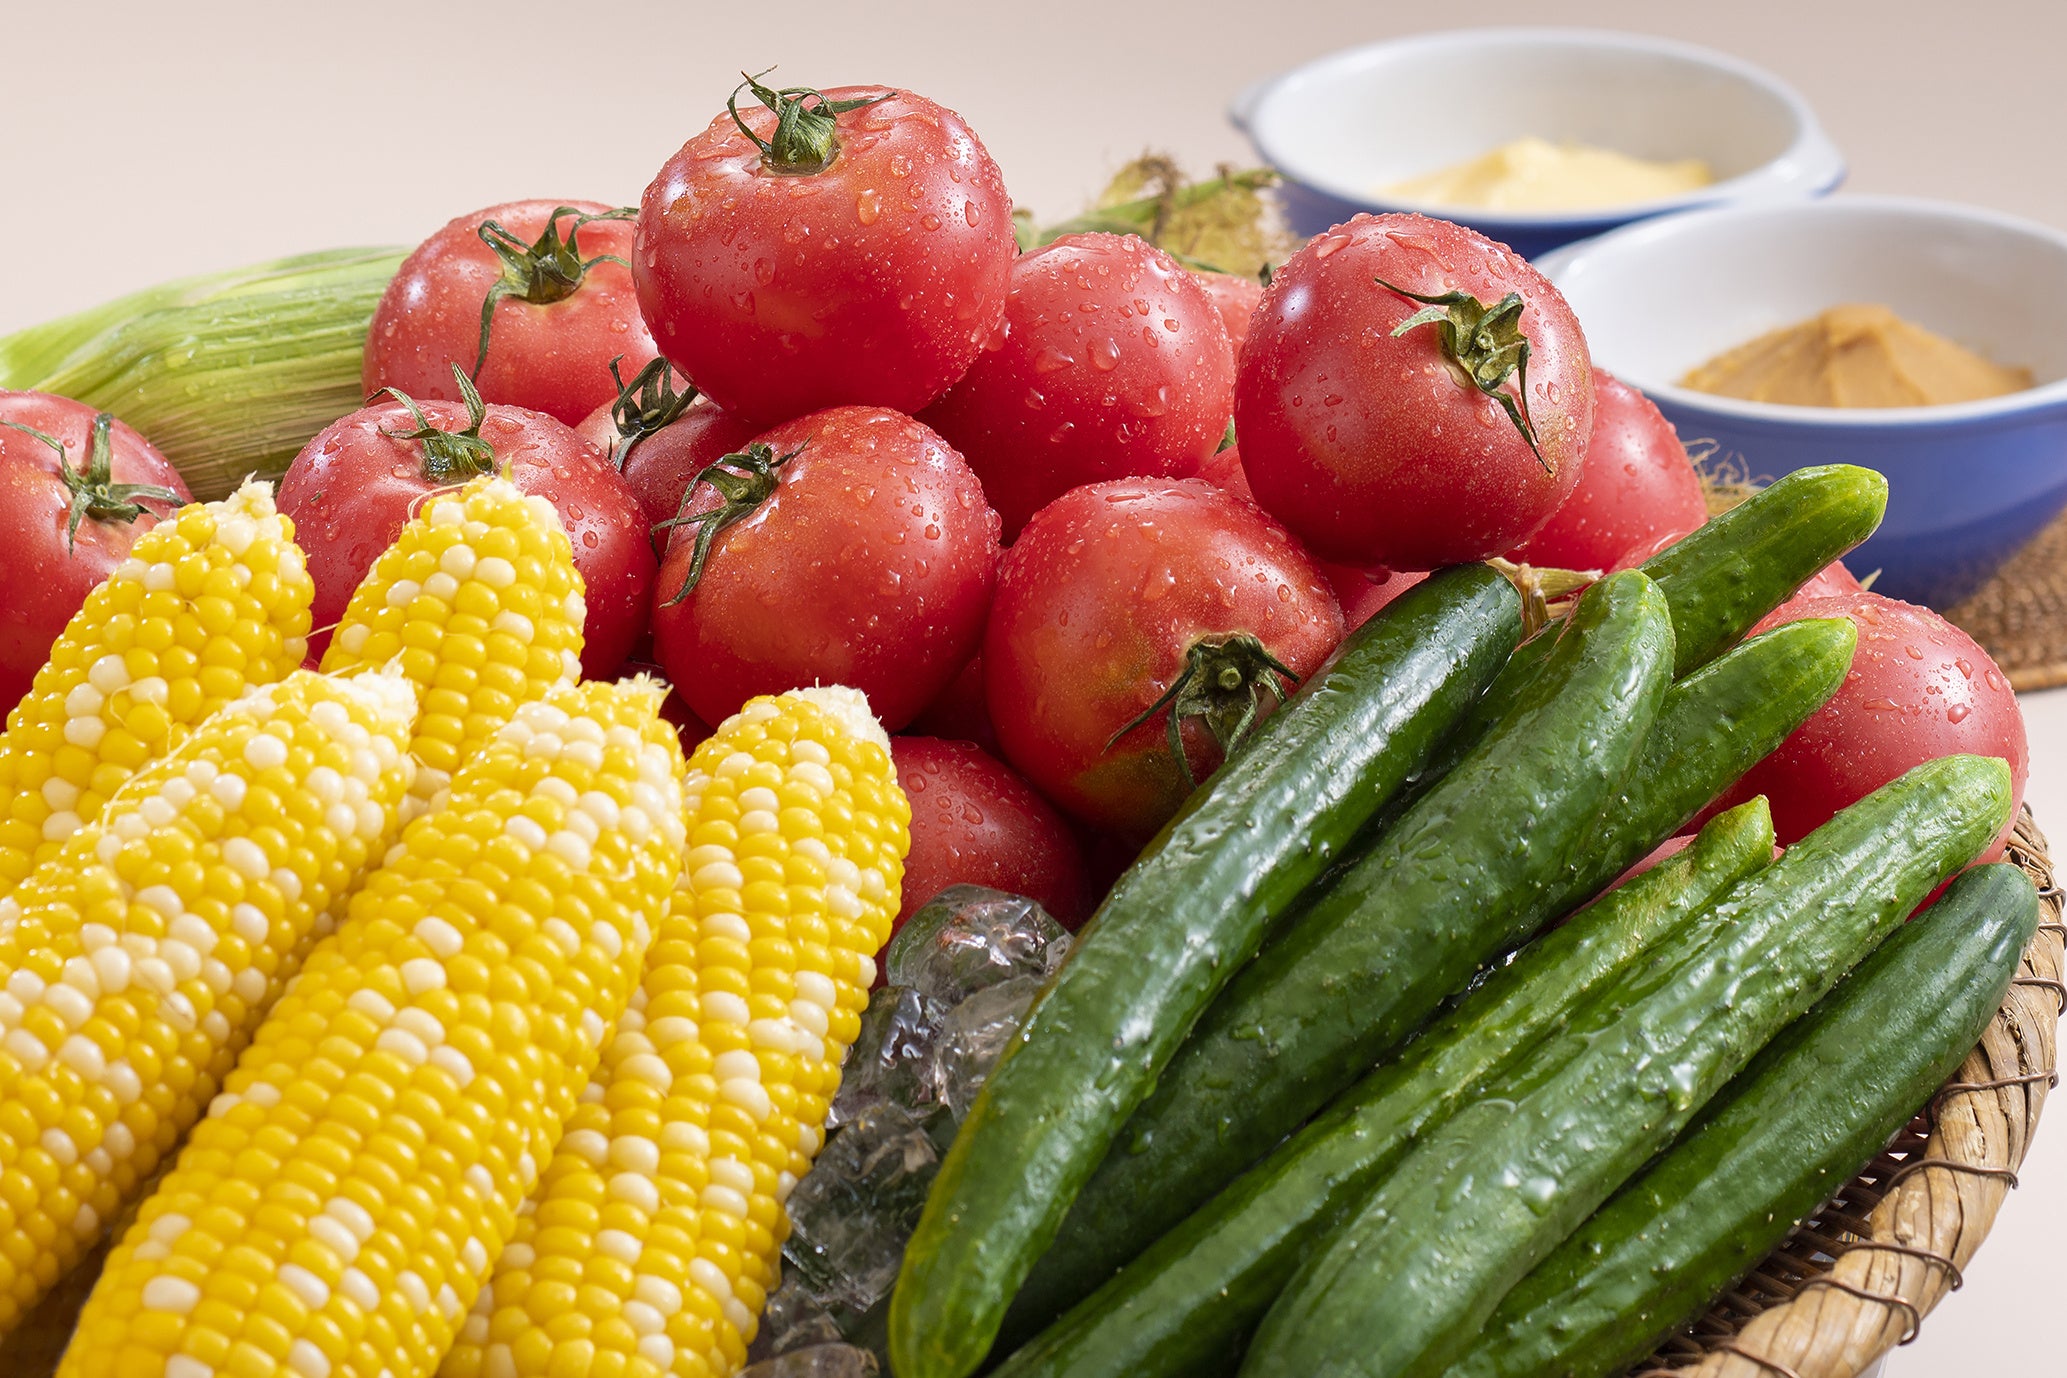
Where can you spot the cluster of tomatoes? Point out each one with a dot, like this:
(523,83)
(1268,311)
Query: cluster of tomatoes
(810,415)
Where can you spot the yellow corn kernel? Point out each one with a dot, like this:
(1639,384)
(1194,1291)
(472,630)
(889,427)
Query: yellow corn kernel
(137,962)
(211,601)
(479,603)
(337,1211)
(654,1236)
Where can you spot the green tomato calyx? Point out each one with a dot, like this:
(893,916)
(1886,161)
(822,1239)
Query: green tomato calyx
(448,456)
(1222,684)
(92,490)
(744,481)
(806,124)
(547,270)
(1485,346)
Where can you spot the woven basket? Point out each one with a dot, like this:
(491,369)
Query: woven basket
(1852,1282)
(1858,1277)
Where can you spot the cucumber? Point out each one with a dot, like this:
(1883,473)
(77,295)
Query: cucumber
(1775,1144)
(1727,574)
(1717,723)
(1472,868)
(1183,1308)
(1189,913)
(1402,1286)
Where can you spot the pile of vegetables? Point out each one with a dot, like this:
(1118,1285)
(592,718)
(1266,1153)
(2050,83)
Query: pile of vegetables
(1317,615)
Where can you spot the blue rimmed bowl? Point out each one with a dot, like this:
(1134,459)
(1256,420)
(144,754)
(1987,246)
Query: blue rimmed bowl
(1968,483)
(1343,127)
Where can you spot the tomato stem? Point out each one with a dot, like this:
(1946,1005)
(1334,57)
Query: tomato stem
(1486,344)
(744,480)
(1222,684)
(449,456)
(806,139)
(646,405)
(1548,594)
(547,270)
(94,492)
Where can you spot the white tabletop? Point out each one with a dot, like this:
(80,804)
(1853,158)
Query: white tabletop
(145,141)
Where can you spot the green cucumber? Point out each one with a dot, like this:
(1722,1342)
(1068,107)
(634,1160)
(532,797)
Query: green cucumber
(1403,1285)
(1775,1144)
(1717,723)
(1471,869)
(1183,1308)
(1727,574)
(1183,920)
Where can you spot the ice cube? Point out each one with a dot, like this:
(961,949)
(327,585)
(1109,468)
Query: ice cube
(969,937)
(973,1037)
(819,1361)
(793,1318)
(852,1213)
(892,1057)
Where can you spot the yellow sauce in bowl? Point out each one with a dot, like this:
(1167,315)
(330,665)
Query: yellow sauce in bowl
(1856,356)
(1534,174)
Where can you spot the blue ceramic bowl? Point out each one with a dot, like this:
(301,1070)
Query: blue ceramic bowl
(1967,484)
(1342,127)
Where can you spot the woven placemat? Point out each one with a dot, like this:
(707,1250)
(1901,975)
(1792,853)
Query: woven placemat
(2021,615)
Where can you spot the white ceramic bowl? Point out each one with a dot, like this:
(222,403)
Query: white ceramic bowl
(1968,484)
(1346,125)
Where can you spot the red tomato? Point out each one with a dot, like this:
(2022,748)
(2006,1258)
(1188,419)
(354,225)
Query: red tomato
(660,439)
(1361,592)
(1121,595)
(1637,485)
(563,313)
(1112,362)
(975,822)
(1373,446)
(861,554)
(859,258)
(1919,688)
(353,487)
(1833,578)
(62,463)
(959,713)
(1236,298)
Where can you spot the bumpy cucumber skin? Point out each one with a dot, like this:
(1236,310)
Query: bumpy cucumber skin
(1169,936)
(1473,867)
(1739,566)
(1402,1287)
(1183,1308)
(1807,1114)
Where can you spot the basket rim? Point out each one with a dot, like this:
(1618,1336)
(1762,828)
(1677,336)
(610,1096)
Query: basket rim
(1859,1275)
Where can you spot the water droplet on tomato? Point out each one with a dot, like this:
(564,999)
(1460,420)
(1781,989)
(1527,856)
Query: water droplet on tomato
(1327,246)
(1957,713)
(930,220)
(1053,360)
(868,206)
(969,211)
(1105,354)
(1964,666)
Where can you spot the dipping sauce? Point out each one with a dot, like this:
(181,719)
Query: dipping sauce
(1537,175)
(1856,356)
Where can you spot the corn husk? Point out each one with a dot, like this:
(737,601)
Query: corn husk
(1224,223)
(228,374)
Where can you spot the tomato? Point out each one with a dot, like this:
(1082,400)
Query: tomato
(1919,688)
(1133,611)
(1112,362)
(79,487)
(959,712)
(660,438)
(1360,592)
(353,487)
(1637,485)
(976,822)
(564,308)
(1236,298)
(1832,578)
(860,255)
(854,548)
(1365,435)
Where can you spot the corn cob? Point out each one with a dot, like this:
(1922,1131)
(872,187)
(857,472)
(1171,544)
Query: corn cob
(479,598)
(654,1236)
(211,601)
(156,938)
(336,1212)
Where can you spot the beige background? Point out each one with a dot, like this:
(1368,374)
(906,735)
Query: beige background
(140,141)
